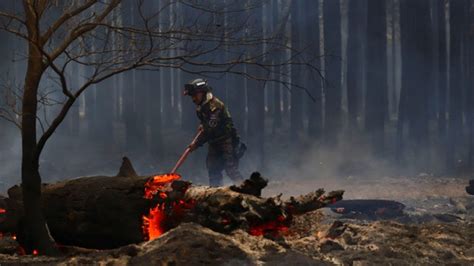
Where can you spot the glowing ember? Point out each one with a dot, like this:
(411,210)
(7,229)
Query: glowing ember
(273,227)
(157,183)
(35,252)
(153,222)
(3,210)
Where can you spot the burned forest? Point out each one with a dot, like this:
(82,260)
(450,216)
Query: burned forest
(237,132)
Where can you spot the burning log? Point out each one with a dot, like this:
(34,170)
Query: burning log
(107,212)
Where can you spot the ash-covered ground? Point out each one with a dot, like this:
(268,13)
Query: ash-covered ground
(436,227)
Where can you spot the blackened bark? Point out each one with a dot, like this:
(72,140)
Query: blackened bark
(470,88)
(376,93)
(296,111)
(277,121)
(35,224)
(236,100)
(457,28)
(129,88)
(141,103)
(416,74)
(155,118)
(256,105)
(332,61)
(421,81)
(354,61)
(279,30)
(442,69)
(129,113)
(313,81)
(405,35)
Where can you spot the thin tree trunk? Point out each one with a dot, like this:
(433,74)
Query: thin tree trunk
(354,62)
(457,24)
(406,72)
(38,236)
(470,88)
(256,105)
(296,111)
(332,58)
(279,28)
(442,68)
(277,105)
(416,33)
(376,94)
(314,82)
(236,94)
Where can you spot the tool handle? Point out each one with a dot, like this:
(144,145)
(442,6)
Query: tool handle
(186,152)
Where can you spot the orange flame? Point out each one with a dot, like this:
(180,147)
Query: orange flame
(152,223)
(158,183)
(275,227)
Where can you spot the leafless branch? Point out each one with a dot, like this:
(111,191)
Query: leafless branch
(90,35)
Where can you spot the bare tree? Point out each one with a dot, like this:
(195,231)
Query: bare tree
(61,35)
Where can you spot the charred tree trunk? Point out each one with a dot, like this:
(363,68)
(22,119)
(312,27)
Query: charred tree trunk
(405,32)
(141,103)
(376,94)
(313,82)
(457,28)
(37,231)
(332,59)
(297,75)
(165,73)
(236,100)
(419,82)
(154,117)
(129,90)
(129,114)
(189,120)
(255,126)
(280,23)
(470,88)
(237,89)
(354,62)
(442,74)
(416,37)
(256,101)
(275,96)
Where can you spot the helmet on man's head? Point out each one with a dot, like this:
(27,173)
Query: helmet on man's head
(196,86)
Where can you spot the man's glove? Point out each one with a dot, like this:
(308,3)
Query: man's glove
(192,147)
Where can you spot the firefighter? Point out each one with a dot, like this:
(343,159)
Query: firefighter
(225,147)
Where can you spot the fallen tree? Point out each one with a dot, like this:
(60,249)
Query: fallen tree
(111,211)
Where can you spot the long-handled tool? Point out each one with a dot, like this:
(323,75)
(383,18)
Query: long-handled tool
(187,151)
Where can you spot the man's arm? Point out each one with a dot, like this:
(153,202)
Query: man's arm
(203,138)
(199,140)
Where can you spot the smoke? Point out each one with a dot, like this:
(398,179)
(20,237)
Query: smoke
(10,155)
